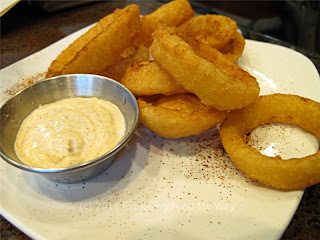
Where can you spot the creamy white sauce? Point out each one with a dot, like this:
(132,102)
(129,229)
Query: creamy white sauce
(69,132)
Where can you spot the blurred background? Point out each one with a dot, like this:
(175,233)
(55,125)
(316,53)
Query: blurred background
(291,21)
(296,22)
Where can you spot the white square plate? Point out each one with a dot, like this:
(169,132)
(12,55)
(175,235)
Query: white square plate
(158,188)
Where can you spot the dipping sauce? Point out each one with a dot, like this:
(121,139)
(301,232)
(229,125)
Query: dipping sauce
(69,132)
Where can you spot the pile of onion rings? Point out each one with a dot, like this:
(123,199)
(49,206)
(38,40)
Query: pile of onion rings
(216,82)
(290,174)
(117,40)
(193,84)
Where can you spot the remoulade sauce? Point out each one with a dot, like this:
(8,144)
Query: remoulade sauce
(69,132)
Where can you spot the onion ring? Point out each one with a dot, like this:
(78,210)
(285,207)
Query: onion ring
(219,83)
(178,116)
(294,173)
(213,30)
(101,45)
(147,78)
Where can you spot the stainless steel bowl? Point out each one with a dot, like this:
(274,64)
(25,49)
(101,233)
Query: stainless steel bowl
(15,110)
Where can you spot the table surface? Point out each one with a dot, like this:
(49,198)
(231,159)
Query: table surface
(36,29)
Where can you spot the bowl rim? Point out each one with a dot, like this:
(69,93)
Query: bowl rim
(92,162)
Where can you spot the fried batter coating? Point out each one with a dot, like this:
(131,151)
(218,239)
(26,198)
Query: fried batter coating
(172,14)
(213,30)
(178,116)
(234,49)
(149,78)
(118,70)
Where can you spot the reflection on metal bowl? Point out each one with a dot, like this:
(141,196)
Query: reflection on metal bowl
(16,109)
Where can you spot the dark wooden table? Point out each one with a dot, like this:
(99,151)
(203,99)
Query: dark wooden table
(27,29)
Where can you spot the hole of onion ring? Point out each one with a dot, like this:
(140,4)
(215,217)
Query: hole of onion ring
(284,140)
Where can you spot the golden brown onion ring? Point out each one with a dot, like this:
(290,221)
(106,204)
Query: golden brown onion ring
(234,49)
(149,78)
(178,116)
(294,173)
(217,82)
(101,45)
(213,30)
